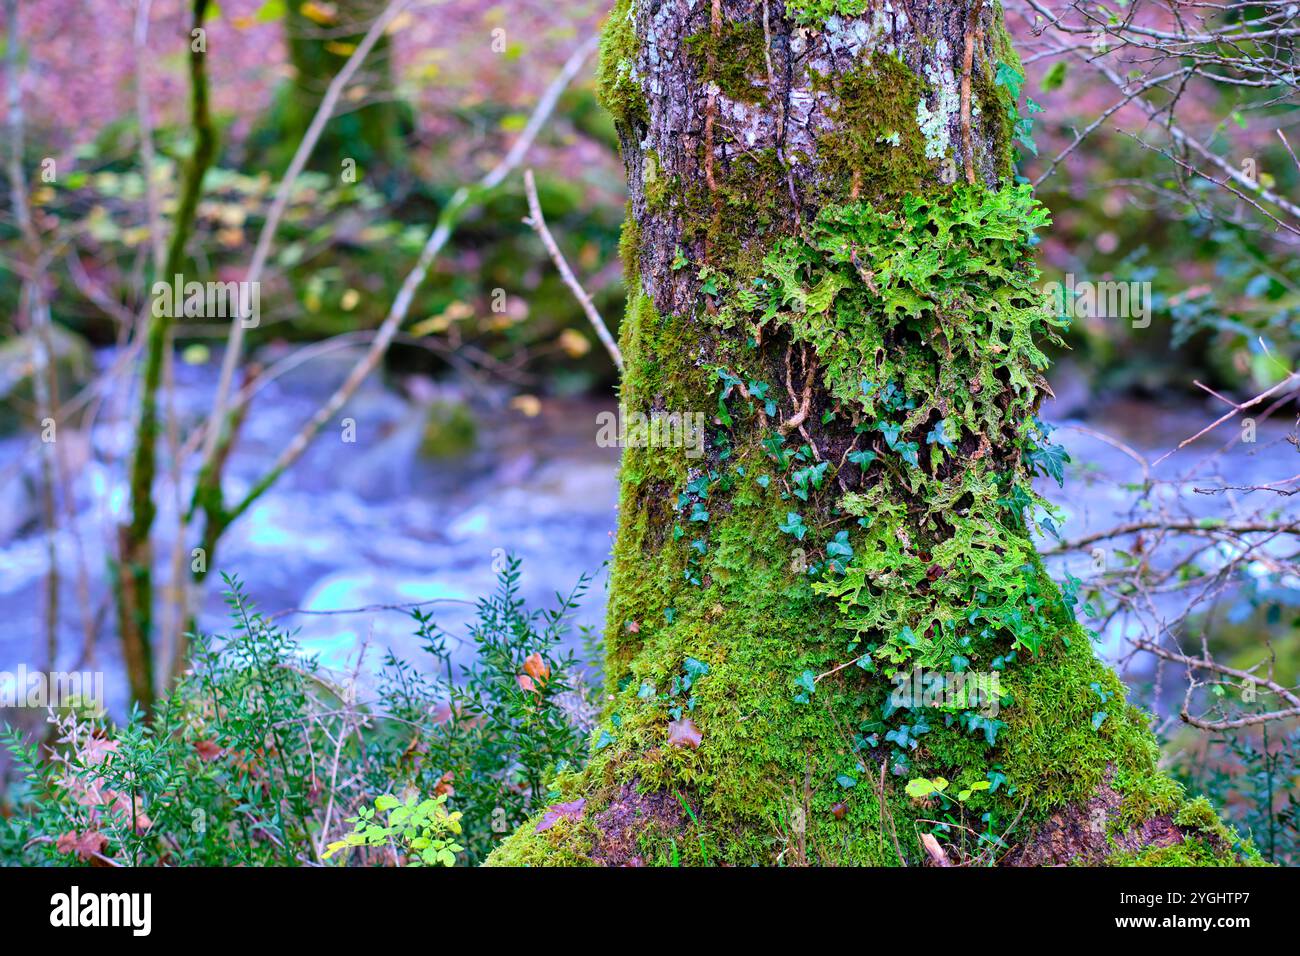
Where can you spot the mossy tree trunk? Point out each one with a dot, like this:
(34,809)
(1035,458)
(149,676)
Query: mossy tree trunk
(826,253)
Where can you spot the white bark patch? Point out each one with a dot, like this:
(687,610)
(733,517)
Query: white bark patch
(936,122)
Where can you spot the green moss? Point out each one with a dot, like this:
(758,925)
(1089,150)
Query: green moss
(875,150)
(450,430)
(997,107)
(1206,842)
(567,843)
(616,79)
(647,381)
(1004,48)
(629,251)
(736,60)
(1191,852)
(659,189)
(731,228)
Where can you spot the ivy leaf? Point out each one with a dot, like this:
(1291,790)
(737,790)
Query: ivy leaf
(793,525)
(839,547)
(694,669)
(807,683)
(1050,459)
(938,435)
(1009,77)
(723,415)
(699,486)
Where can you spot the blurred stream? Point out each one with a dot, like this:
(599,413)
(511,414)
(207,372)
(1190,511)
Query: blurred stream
(354,525)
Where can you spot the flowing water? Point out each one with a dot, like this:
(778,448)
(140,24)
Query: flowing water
(370,523)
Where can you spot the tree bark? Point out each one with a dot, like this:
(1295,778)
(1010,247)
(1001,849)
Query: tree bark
(827,255)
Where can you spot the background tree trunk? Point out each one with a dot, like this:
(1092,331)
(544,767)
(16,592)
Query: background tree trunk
(827,256)
(319,42)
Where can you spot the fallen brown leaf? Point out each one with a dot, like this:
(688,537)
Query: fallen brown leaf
(555,814)
(684,733)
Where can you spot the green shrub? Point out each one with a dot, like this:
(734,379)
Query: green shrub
(261,757)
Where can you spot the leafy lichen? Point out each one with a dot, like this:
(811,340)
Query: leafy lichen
(814,13)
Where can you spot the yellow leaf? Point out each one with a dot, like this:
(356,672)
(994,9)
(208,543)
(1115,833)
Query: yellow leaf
(530,405)
(430,326)
(322,13)
(574,343)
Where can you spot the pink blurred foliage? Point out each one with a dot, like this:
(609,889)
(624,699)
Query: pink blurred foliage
(80,77)
(80,62)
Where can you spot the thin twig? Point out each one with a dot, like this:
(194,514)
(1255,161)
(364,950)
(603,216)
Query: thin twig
(538,223)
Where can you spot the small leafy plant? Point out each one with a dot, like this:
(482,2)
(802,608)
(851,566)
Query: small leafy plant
(422,828)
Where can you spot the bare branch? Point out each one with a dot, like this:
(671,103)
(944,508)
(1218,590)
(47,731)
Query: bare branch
(538,223)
